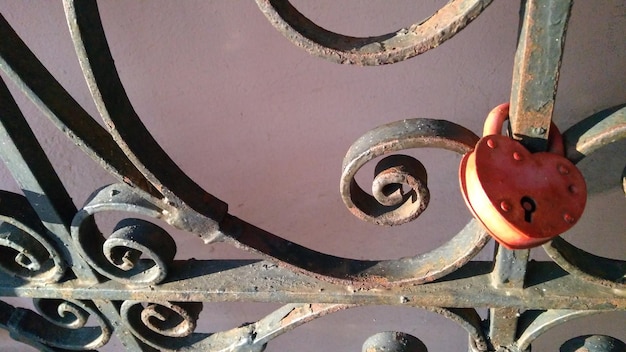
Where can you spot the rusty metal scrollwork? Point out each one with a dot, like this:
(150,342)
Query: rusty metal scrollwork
(25,249)
(130,284)
(381,208)
(137,252)
(167,326)
(195,210)
(62,324)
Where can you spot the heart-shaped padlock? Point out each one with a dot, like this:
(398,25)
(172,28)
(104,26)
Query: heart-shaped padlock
(523,199)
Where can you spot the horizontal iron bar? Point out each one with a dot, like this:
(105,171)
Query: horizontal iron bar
(547,287)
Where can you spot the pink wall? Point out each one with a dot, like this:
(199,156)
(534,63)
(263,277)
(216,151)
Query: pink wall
(264,126)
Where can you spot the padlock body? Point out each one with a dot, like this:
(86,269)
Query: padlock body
(523,199)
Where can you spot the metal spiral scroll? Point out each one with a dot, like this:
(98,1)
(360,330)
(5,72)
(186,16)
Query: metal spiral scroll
(388,48)
(167,326)
(69,329)
(119,257)
(25,248)
(388,206)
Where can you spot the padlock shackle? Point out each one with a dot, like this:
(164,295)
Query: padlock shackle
(499,114)
(495,120)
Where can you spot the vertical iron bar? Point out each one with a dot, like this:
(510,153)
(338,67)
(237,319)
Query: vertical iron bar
(508,273)
(536,70)
(535,81)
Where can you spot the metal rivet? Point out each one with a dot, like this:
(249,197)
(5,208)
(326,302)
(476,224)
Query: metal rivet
(491,143)
(563,170)
(573,189)
(505,206)
(517,156)
(568,218)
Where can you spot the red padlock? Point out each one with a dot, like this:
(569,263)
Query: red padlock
(523,199)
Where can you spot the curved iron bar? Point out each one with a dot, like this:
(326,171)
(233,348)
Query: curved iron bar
(536,323)
(389,48)
(195,210)
(23,68)
(200,211)
(68,331)
(154,323)
(605,127)
(594,132)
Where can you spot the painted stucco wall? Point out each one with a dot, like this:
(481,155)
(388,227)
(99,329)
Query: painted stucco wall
(264,126)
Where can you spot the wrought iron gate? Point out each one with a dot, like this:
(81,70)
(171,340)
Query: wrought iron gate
(129,285)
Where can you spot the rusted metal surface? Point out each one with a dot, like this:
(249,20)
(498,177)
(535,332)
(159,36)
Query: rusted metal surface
(200,211)
(594,132)
(536,70)
(388,48)
(390,138)
(547,287)
(509,272)
(129,285)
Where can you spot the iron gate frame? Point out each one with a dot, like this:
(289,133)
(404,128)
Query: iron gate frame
(53,252)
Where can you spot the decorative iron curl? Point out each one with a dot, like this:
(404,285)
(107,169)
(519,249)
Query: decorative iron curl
(388,205)
(62,324)
(25,249)
(398,207)
(596,131)
(389,48)
(119,256)
(163,325)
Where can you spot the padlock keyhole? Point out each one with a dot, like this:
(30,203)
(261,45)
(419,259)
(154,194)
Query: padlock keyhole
(529,206)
